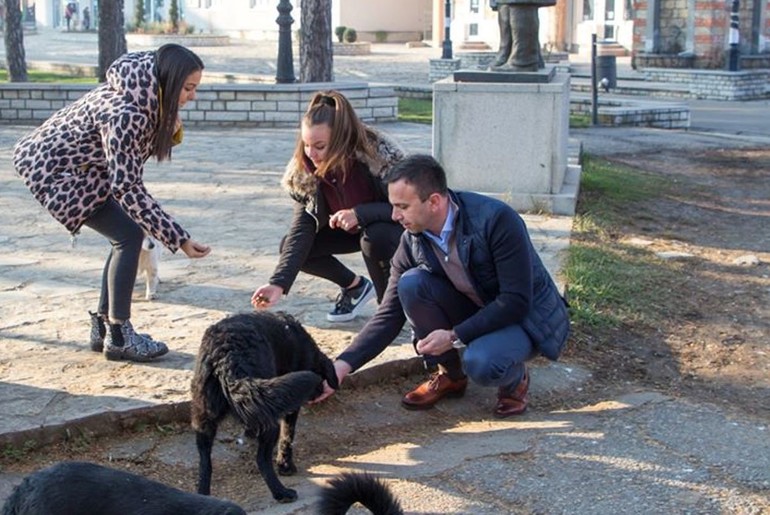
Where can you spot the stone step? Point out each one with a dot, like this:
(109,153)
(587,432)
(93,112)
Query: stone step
(474,45)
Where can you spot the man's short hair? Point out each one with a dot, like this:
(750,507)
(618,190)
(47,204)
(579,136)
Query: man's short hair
(421,171)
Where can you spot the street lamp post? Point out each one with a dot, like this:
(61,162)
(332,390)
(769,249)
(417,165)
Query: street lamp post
(733,58)
(285,69)
(446,52)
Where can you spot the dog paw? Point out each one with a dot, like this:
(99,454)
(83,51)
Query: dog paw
(285,496)
(286,469)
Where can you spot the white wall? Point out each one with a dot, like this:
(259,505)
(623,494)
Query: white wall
(383,15)
(256,19)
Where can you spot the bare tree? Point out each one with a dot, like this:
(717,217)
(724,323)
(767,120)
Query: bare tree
(14,42)
(112,34)
(315,44)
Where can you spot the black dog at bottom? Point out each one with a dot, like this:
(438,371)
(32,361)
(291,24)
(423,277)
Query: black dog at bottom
(347,489)
(260,367)
(77,488)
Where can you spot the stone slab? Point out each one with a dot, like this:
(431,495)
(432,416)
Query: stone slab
(541,76)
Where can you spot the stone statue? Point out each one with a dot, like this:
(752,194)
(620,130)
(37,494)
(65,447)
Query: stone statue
(519,27)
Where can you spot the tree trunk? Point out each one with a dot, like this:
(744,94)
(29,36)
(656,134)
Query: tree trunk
(315,44)
(14,42)
(112,34)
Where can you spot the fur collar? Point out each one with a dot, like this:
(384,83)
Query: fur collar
(303,186)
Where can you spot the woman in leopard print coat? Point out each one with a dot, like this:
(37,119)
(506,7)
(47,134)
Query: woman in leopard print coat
(85,166)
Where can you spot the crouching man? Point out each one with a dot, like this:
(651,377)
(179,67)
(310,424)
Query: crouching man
(465,275)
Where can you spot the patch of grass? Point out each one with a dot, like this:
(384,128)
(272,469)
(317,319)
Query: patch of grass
(12,453)
(610,286)
(421,111)
(608,191)
(48,77)
(579,121)
(415,110)
(611,283)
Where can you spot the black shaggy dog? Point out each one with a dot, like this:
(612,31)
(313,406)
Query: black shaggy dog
(260,367)
(347,489)
(78,488)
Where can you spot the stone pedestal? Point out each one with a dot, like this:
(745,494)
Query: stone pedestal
(507,139)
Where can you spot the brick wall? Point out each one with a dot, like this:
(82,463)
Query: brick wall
(673,26)
(250,105)
(708,31)
(640,25)
(442,68)
(715,84)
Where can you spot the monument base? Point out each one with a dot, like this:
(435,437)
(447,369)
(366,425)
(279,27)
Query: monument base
(507,140)
(545,76)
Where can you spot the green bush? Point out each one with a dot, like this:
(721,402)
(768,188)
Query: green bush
(381,36)
(350,35)
(340,32)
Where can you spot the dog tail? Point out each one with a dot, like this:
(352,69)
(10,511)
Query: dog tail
(263,401)
(348,489)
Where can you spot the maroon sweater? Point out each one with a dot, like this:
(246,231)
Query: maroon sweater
(342,192)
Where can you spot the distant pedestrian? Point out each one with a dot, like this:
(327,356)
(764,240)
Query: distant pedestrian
(85,165)
(336,177)
(86,18)
(69,11)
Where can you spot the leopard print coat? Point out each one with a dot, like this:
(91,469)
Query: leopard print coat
(96,147)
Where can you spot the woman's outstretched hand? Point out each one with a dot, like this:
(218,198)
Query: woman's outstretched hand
(266,296)
(193,249)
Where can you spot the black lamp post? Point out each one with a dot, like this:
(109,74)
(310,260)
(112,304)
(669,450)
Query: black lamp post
(285,69)
(446,47)
(733,56)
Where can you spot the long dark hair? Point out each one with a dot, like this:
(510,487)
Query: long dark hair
(173,64)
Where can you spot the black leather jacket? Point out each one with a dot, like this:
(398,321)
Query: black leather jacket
(311,213)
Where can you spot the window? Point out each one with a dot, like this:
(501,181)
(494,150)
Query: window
(475,6)
(588,10)
(609,10)
(473,29)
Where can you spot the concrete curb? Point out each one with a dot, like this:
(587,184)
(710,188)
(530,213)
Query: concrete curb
(112,422)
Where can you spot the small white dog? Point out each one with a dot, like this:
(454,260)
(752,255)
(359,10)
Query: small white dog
(149,261)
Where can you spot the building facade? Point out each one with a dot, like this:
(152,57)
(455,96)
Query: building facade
(696,33)
(668,33)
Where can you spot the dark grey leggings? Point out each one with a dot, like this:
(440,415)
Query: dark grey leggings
(377,244)
(119,273)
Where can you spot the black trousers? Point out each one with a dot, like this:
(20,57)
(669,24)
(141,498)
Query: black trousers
(119,275)
(377,244)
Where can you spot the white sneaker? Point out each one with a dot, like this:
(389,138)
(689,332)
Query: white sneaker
(350,302)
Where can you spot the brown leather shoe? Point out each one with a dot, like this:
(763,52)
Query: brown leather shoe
(433,390)
(514,403)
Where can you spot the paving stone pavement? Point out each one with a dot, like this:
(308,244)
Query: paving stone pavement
(637,453)
(223,186)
